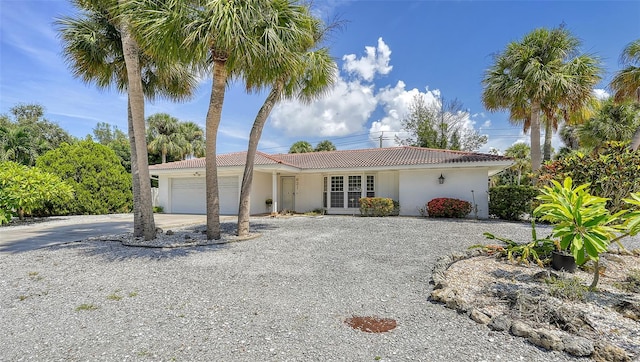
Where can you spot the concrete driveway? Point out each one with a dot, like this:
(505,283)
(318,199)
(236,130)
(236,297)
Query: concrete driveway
(64,229)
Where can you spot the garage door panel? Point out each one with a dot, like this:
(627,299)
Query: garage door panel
(188,195)
(228,191)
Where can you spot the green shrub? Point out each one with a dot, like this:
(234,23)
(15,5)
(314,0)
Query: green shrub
(376,206)
(511,202)
(158,209)
(448,207)
(24,189)
(613,172)
(101,183)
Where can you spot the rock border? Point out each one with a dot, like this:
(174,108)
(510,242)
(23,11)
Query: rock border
(556,340)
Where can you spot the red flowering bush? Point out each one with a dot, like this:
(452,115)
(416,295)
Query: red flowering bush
(446,207)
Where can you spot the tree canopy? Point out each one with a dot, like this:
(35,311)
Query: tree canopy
(27,134)
(101,183)
(440,125)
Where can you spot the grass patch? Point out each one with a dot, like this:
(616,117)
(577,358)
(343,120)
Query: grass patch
(133,294)
(23,297)
(568,289)
(86,306)
(114,296)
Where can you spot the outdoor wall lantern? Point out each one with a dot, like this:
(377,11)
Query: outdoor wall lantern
(441,179)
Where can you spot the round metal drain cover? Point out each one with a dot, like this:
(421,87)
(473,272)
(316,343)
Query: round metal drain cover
(371,324)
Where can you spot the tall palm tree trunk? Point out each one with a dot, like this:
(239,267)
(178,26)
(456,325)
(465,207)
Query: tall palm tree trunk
(145,226)
(137,216)
(535,137)
(548,134)
(214,115)
(244,209)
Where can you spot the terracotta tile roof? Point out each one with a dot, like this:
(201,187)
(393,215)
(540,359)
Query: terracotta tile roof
(381,157)
(372,157)
(224,160)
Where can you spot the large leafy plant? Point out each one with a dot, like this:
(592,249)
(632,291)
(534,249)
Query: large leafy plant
(582,221)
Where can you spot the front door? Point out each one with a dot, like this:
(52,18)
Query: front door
(287,193)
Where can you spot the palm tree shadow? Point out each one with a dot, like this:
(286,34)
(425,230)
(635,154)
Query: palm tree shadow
(114,250)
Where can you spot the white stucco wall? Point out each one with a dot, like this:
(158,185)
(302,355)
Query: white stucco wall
(308,192)
(260,192)
(387,184)
(163,193)
(416,188)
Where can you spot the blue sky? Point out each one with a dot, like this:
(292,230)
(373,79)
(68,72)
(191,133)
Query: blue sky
(387,52)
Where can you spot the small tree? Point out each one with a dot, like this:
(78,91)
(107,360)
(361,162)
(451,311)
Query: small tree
(24,189)
(440,125)
(102,184)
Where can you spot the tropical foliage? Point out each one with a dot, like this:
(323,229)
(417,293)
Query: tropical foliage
(27,134)
(626,83)
(582,223)
(612,171)
(24,189)
(169,137)
(101,183)
(612,122)
(537,76)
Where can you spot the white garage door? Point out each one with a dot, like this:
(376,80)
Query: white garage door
(188,195)
(229,195)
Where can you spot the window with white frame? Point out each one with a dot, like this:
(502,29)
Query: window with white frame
(355,191)
(338,195)
(371,186)
(337,191)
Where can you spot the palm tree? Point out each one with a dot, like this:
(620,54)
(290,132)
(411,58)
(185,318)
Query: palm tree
(308,77)
(225,38)
(626,83)
(164,136)
(325,145)
(194,135)
(520,152)
(301,147)
(538,75)
(100,49)
(17,145)
(614,122)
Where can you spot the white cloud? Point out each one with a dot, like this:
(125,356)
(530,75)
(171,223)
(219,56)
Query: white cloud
(376,61)
(344,111)
(601,94)
(395,103)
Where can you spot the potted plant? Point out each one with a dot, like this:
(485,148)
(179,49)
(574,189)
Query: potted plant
(268,202)
(581,222)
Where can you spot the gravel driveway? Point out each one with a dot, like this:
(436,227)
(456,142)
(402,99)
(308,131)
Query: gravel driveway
(282,296)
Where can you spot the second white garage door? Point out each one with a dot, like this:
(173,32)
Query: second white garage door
(188,195)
